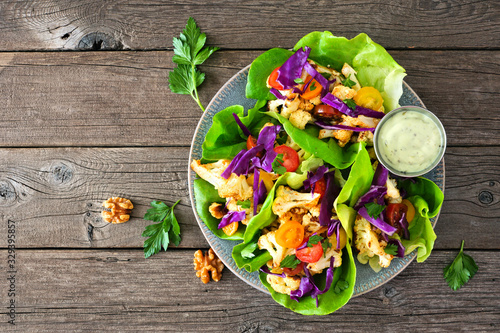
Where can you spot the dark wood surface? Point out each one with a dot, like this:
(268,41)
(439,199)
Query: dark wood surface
(98,120)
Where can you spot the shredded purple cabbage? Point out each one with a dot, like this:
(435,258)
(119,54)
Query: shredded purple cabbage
(374,193)
(292,68)
(267,136)
(401,248)
(308,287)
(331,192)
(230,217)
(338,104)
(403,222)
(266,270)
(343,127)
(380,176)
(335,227)
(325,84)
(242,167)
(313,177)
(378,222)
(240,124)
(227,173)
(277,93)
(259,191)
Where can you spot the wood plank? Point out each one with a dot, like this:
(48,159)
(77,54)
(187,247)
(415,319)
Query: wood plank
(55,195)
(122,98)
(70,25)
(56,291)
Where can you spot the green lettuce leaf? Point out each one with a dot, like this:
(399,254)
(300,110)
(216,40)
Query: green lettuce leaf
(205,195)
(329,301)
(375,67)
(428,191)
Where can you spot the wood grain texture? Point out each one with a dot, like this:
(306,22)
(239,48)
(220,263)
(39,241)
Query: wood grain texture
(55,196)
(63,291)
(118,24)
(123,99)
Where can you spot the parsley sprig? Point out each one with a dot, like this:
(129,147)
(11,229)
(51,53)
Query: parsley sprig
(461,270)
(188,53)
(373,209)
(277,165)
(348,82)
(290,261)
(391,249)
(160,234)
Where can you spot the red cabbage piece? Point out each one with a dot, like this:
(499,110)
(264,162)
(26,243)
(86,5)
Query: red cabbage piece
(380,176)
(230,217)
(277,93)
(308,287)
(240,124)
(343,127)
(259,191)
(267,136)
(292,68)
(359,110)
(325,84)
(374,193)
(335,227)
(338,104)
(403,222)
(378,222)
(242,167)
(401,248)
(227,173)
(331,192)
(313,177)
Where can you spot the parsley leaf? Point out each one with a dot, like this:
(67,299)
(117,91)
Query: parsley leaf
(391,249)
(314,239)
(290,261)
(160,234)
(340,286)
(298,81)
(277,165)
(374,209)
(326,245)
(460,270)
(244,204)
(348,82)
(188,53)
(312,87)
(247,252)
(350,103)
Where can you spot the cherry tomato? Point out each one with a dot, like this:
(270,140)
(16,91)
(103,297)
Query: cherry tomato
(251,142)
(272,80)
(295,271)
(327,112)
(290,234)
(310,254)
(291,159)
(230,229)
(320,187)
(369,97)
(393,213)
(410,214)
(313,89)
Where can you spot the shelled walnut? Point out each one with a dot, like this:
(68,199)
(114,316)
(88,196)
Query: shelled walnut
(120,210)
(203,264)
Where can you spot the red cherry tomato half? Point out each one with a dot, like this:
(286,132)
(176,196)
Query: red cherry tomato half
(310,254)
(320,187)
(291,159)
(273,80)
(393,212)
(295,271)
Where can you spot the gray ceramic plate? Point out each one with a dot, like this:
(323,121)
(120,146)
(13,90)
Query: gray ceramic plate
(233,92)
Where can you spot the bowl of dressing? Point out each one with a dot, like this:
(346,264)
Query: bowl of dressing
(409,141)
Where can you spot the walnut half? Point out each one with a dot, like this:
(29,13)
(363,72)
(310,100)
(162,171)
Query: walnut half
(203,264)
(120,210)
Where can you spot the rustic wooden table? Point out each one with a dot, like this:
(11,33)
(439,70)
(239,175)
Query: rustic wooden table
(98,120)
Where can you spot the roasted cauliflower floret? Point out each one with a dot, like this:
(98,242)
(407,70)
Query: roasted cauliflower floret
(367,241)
(283,285)
(232,205)
(217,210)
(268,242)
(324,261)
(211,172)
(286,199)
(350,73)
(275,105)
(300,118)
(392,191)
(290,107)
(343,92)
(366,136)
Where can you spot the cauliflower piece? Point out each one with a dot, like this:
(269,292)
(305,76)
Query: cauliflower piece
(283,285)
(367,241)
(324,262)
(268,242)
(216,209)
(235,186)
(300,119)
(343,92)
(392,190)
(286,199)
(275,105)
(350,73)
(290,107)
(366,136)
(232,204)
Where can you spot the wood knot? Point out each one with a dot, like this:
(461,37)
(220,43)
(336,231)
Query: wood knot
(99,41)
(62,173)
(7,192)
(485,197)
(390,292)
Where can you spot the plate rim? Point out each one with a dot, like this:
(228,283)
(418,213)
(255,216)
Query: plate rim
(357,290)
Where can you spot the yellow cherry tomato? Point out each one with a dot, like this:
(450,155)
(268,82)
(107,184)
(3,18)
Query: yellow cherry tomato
(290,234)
(410,214)
(369,97)
(343,239)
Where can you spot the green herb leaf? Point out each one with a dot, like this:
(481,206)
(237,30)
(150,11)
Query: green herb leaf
(278,168)
(298,81)
(391,249)
(340,286)
(244,204)
(374,209)
(350,103)
(348,82)
(188,53)
(461,270)
(326,245)
(290,261)
(247,252)
(314,239)
(326,75)
(312,87)
(162,233)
